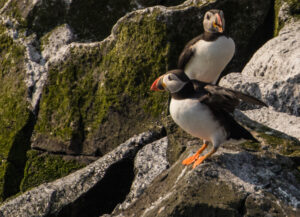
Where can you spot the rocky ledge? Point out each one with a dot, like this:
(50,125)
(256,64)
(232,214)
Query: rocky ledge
(135,179)
(73,94)
(273,75)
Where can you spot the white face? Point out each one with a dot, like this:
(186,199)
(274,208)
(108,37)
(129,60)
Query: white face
(172,83)
(211,19)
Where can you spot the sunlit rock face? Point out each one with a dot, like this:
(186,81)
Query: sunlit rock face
(273,75)
(75,79)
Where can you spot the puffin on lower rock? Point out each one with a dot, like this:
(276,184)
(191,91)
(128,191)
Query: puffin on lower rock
(203,110)
(206,56)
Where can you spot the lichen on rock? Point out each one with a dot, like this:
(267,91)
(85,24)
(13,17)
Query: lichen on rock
(15,115)
(286,11)
(43,167)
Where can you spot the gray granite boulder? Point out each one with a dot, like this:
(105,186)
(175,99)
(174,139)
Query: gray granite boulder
(232,183)
(150,162)
(273,75)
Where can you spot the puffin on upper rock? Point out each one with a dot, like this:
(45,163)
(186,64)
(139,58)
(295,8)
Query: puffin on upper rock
(204,111)
(206,56)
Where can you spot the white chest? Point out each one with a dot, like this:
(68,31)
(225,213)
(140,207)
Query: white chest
(210,59)
(194,118)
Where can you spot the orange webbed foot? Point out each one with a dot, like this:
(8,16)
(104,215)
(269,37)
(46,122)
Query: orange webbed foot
(202,158)
(198,161)
(190,159)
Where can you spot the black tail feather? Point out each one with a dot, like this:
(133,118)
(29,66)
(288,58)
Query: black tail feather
(234,129)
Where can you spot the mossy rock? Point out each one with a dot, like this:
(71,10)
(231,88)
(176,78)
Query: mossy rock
(91,20)
(15,117)
(42,167)
(285,146)
(292,12)
(94,92)
(100,95)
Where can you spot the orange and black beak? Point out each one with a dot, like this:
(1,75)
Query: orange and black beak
(218,23)
(158,84)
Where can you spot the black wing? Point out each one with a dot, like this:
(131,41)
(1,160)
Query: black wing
(224,98)
(188,52)
(222,102)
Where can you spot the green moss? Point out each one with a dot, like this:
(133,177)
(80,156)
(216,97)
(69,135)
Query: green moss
(41,168)
(13,103)
(13,10)
(15,116)
(285,146)
(294,11)
(251,146)
(137,59)
(3,166)
(277,23)
(112,77)
(68,95)
(294,7)
(2,2)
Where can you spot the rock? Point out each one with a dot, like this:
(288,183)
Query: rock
(90,20)
(56,40)
(115,76)
(16,119)
(36,71)
(57,197)
(276,120)
(150,162)
(44,167)
(231,183)
(84,97)
(273,76)
(285,12)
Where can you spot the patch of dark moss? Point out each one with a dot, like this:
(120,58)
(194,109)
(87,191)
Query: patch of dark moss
(42,167)
(2,2)
(289,147)
(94,19)
(3,166)
(45,16)
(251,146)
(278,24)
(293,11)
(17,158)
(14,114)
(294,7)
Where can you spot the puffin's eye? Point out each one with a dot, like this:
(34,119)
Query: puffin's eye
(208,16)
(170,78)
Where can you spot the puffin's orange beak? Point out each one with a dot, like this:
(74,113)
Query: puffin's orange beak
(218,24)
(157,84)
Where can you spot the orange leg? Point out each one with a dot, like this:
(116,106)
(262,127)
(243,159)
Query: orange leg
(202,158)
(191,159)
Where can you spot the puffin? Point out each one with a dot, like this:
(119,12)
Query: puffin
(205,57)
(204,110)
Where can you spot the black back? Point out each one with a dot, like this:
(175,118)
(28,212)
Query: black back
(221,101)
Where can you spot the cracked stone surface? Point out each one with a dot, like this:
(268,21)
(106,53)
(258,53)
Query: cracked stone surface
(273,75)
(231,183)
(49,198)
(150,161)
